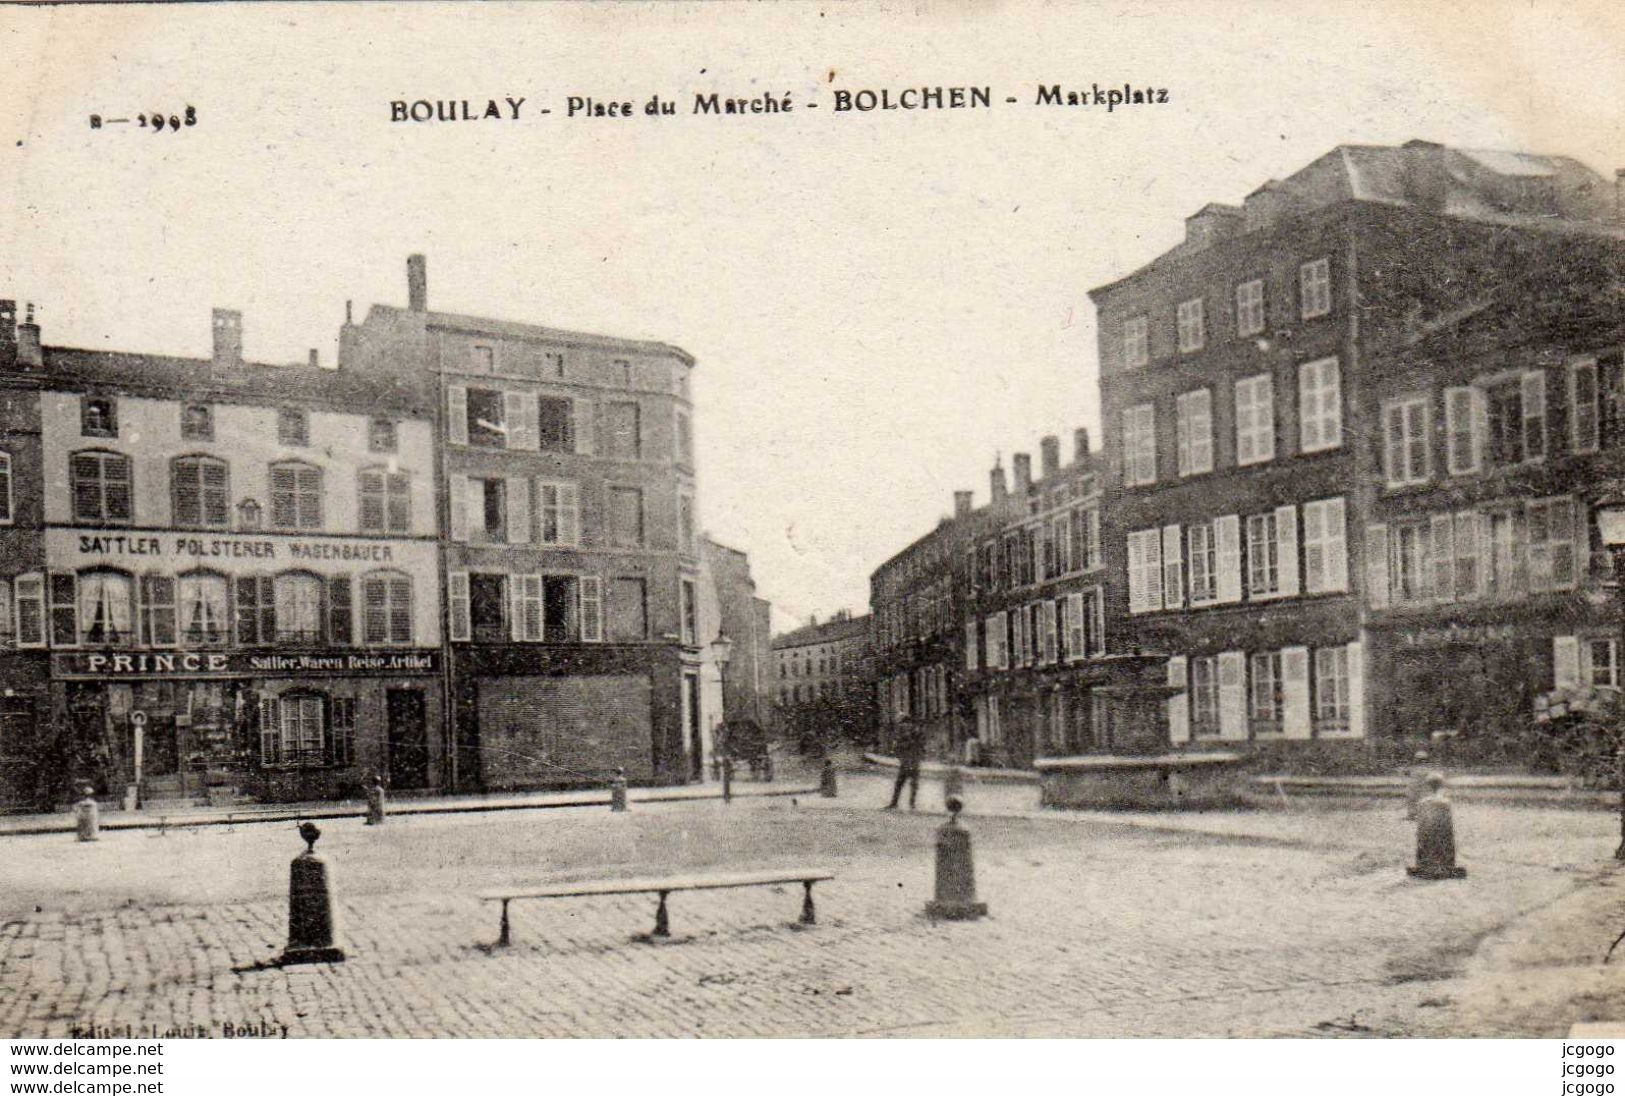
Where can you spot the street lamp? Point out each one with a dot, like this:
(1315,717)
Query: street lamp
(721,651)
(1611,528)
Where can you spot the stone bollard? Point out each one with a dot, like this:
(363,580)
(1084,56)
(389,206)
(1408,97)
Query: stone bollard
(88,815)
(826,780)
(727,780)
(375,802)
(953,785)
(956,873)
(617,791)
(310,907)
(1417,789)
(1435,836)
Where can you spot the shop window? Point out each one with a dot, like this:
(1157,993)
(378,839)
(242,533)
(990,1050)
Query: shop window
(386,600)
(203,610)
(386,501)
(628,610)
(296,496)
(98,417)
(200,492)
(197,422)
(293,731)
(101,486)
(297,608)
(106,603)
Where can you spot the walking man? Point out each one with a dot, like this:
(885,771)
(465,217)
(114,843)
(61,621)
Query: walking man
(910,745)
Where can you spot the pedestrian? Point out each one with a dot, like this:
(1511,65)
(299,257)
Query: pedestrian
(910,746)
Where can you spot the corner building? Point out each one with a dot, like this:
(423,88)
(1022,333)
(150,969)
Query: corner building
(571,559)
(1354,426)
(234,579)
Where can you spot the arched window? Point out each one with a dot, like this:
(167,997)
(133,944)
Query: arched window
(106,608)
(296,496)
(386,601)
(386,501)
(298,607)
(101,486)
(200,491)
(204,609)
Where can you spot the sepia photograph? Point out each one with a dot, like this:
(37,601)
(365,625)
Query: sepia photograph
(732,521)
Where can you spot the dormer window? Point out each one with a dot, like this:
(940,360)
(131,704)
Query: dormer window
(98,417)
(292,426)
(197,422)
(381,436)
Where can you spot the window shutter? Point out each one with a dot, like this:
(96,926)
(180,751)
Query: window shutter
(970,645)
(459,507)
(1295,692)
(1443,535)
(516,605)
(1565,662)
(1075,648)
(29,594)
(1534,415)
(1232,695)
(1227,532)
(1179,705)
(1153,569)
(457,596)
(1376,565)
(1356,653)
(1314,547)
(518,499)
(1096,607)
(592,614)
(1337,552)
(457,414)
(1136,573)
(1286,549)
(582,415)
(1173,564)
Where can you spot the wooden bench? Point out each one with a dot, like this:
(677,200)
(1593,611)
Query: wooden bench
(663,887)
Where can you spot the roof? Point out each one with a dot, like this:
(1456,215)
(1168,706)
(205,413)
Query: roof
(484,325)
(826,632)
(170,377)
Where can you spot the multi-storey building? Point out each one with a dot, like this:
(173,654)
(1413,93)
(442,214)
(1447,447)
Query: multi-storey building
(571,559)
(913,603)
(744,618)
(227,572)
(1354,427)
(821,673)
(1033,612)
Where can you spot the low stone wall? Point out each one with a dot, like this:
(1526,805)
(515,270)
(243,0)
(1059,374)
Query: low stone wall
(1165,782)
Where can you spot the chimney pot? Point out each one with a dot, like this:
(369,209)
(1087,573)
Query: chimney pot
(349,313)
(962,503)
(996,482)
(228,337)
(1049,449)
(1024,472)
(1080,444)
(30,352)
(417,283)
(315,358)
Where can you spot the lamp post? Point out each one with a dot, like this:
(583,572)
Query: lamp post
(721,652)
(1611,528)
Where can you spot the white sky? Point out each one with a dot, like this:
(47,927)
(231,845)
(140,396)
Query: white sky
(878,302)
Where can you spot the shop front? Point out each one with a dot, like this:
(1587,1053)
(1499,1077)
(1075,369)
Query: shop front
(184,725)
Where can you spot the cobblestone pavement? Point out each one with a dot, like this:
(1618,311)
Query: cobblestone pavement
(1298,921)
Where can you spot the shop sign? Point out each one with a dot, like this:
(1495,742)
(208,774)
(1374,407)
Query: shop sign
(137,664)
(1458,635)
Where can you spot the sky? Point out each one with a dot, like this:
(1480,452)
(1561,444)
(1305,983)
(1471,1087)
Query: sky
(879,303)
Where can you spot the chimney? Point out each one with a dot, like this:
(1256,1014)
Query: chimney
(1212,222)
(961,503)
(8,334)
(417,283)
(228,337)
(1023,463)
(1049,454)
(30,354)
(996,481)
(315,358)
(1080,444)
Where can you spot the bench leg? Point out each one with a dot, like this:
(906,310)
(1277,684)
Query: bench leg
(807,915)
(503,938)
(661,927)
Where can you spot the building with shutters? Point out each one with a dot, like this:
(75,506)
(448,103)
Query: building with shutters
(821,683)
(1355,427)
(221,578)
(571,555)
(1032,612)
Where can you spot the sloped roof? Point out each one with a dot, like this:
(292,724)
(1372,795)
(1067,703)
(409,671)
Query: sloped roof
(485,325)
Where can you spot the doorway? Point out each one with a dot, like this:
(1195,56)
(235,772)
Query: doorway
(408,736)
(691,725)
